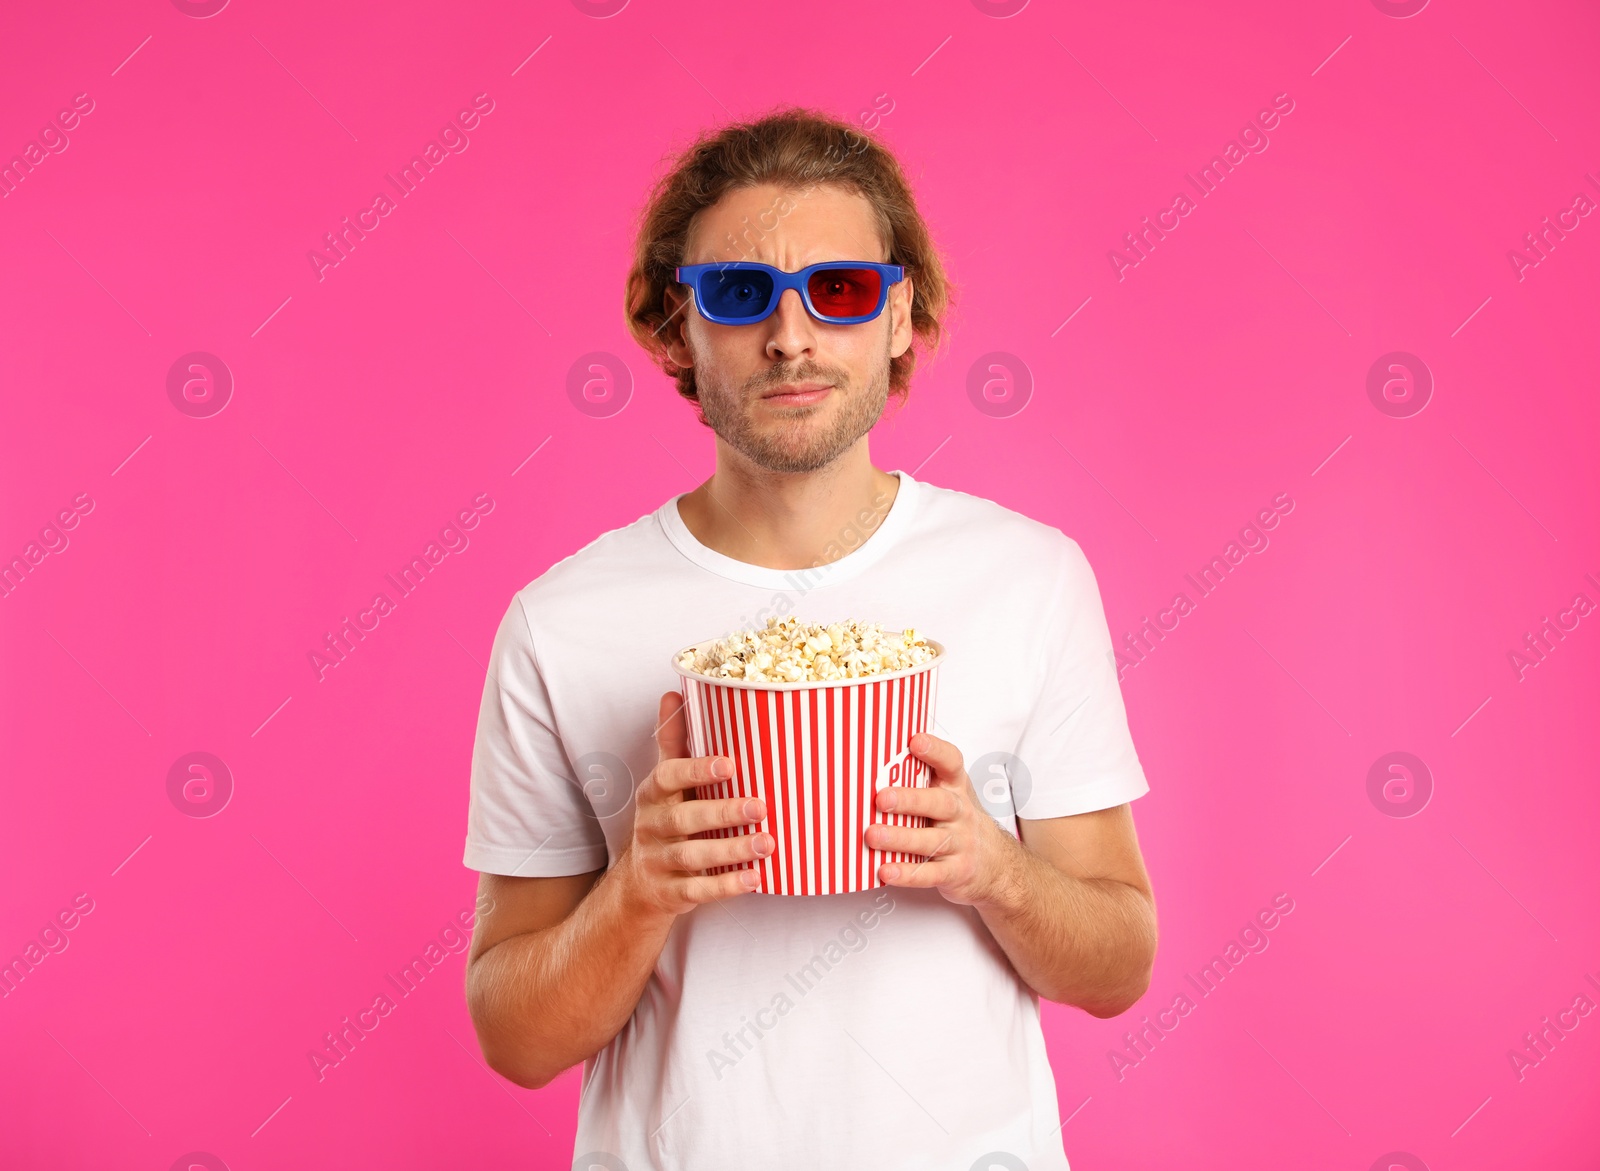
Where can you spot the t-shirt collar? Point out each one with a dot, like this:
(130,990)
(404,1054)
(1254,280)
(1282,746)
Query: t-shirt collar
(865,554)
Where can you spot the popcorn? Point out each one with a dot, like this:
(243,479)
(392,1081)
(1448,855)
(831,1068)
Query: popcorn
(785,651)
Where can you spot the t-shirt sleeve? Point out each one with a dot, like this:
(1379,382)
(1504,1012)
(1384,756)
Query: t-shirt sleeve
(1076,746)
(527,815)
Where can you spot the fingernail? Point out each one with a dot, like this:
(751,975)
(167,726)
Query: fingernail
(751,879)
(889,798)
(762,847)
(722,767)
(752,810)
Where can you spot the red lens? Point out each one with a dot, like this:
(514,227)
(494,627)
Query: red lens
(845,292)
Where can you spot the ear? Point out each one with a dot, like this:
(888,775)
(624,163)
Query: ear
(677,302)
(900,333)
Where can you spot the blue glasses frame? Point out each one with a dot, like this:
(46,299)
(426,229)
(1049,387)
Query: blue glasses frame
(698,276)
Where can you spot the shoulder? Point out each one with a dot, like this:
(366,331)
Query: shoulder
(985,526)
(1016,561)
(591,577)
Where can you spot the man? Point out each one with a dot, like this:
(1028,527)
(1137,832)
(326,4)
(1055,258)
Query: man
(891,1028)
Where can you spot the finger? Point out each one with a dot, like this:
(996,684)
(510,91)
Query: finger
(692,817)
(672,727)
(927,843)
(943,756)
(939,804)
(675,776)
(691,857)
(708,888)
(918,874)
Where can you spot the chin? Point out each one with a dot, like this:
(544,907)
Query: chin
(789,457)
(792,439)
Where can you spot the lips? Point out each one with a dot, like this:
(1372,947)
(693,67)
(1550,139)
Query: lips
(797,393)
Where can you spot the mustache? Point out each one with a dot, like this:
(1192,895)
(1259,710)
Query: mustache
(812,374)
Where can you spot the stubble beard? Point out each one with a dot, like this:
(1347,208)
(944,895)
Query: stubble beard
(795,444)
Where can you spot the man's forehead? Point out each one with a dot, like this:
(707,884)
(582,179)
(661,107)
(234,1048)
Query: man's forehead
(787,227)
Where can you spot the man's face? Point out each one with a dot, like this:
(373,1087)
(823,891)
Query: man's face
(741,370)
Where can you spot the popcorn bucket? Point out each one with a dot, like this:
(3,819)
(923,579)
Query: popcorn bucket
(816,753)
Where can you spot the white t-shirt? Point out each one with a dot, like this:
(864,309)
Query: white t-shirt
(883,1029)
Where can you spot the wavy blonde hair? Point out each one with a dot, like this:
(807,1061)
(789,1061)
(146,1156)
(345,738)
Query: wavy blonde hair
(794,149)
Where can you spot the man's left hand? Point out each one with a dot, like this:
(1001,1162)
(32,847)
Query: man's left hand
(969,857)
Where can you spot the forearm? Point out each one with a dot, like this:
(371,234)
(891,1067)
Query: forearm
(546,1000)
(1088,942)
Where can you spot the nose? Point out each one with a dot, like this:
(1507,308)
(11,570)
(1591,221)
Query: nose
(791,332)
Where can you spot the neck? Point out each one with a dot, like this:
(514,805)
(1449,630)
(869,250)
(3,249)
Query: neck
(789,520)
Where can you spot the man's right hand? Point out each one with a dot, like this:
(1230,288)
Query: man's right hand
(661,865)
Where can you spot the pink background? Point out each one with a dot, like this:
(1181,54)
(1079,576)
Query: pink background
(370,406)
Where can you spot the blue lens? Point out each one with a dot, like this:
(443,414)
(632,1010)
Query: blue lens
(735,293)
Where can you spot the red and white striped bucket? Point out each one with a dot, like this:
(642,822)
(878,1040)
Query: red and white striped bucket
(816,753)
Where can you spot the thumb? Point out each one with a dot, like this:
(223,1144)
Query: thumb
(672,727)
